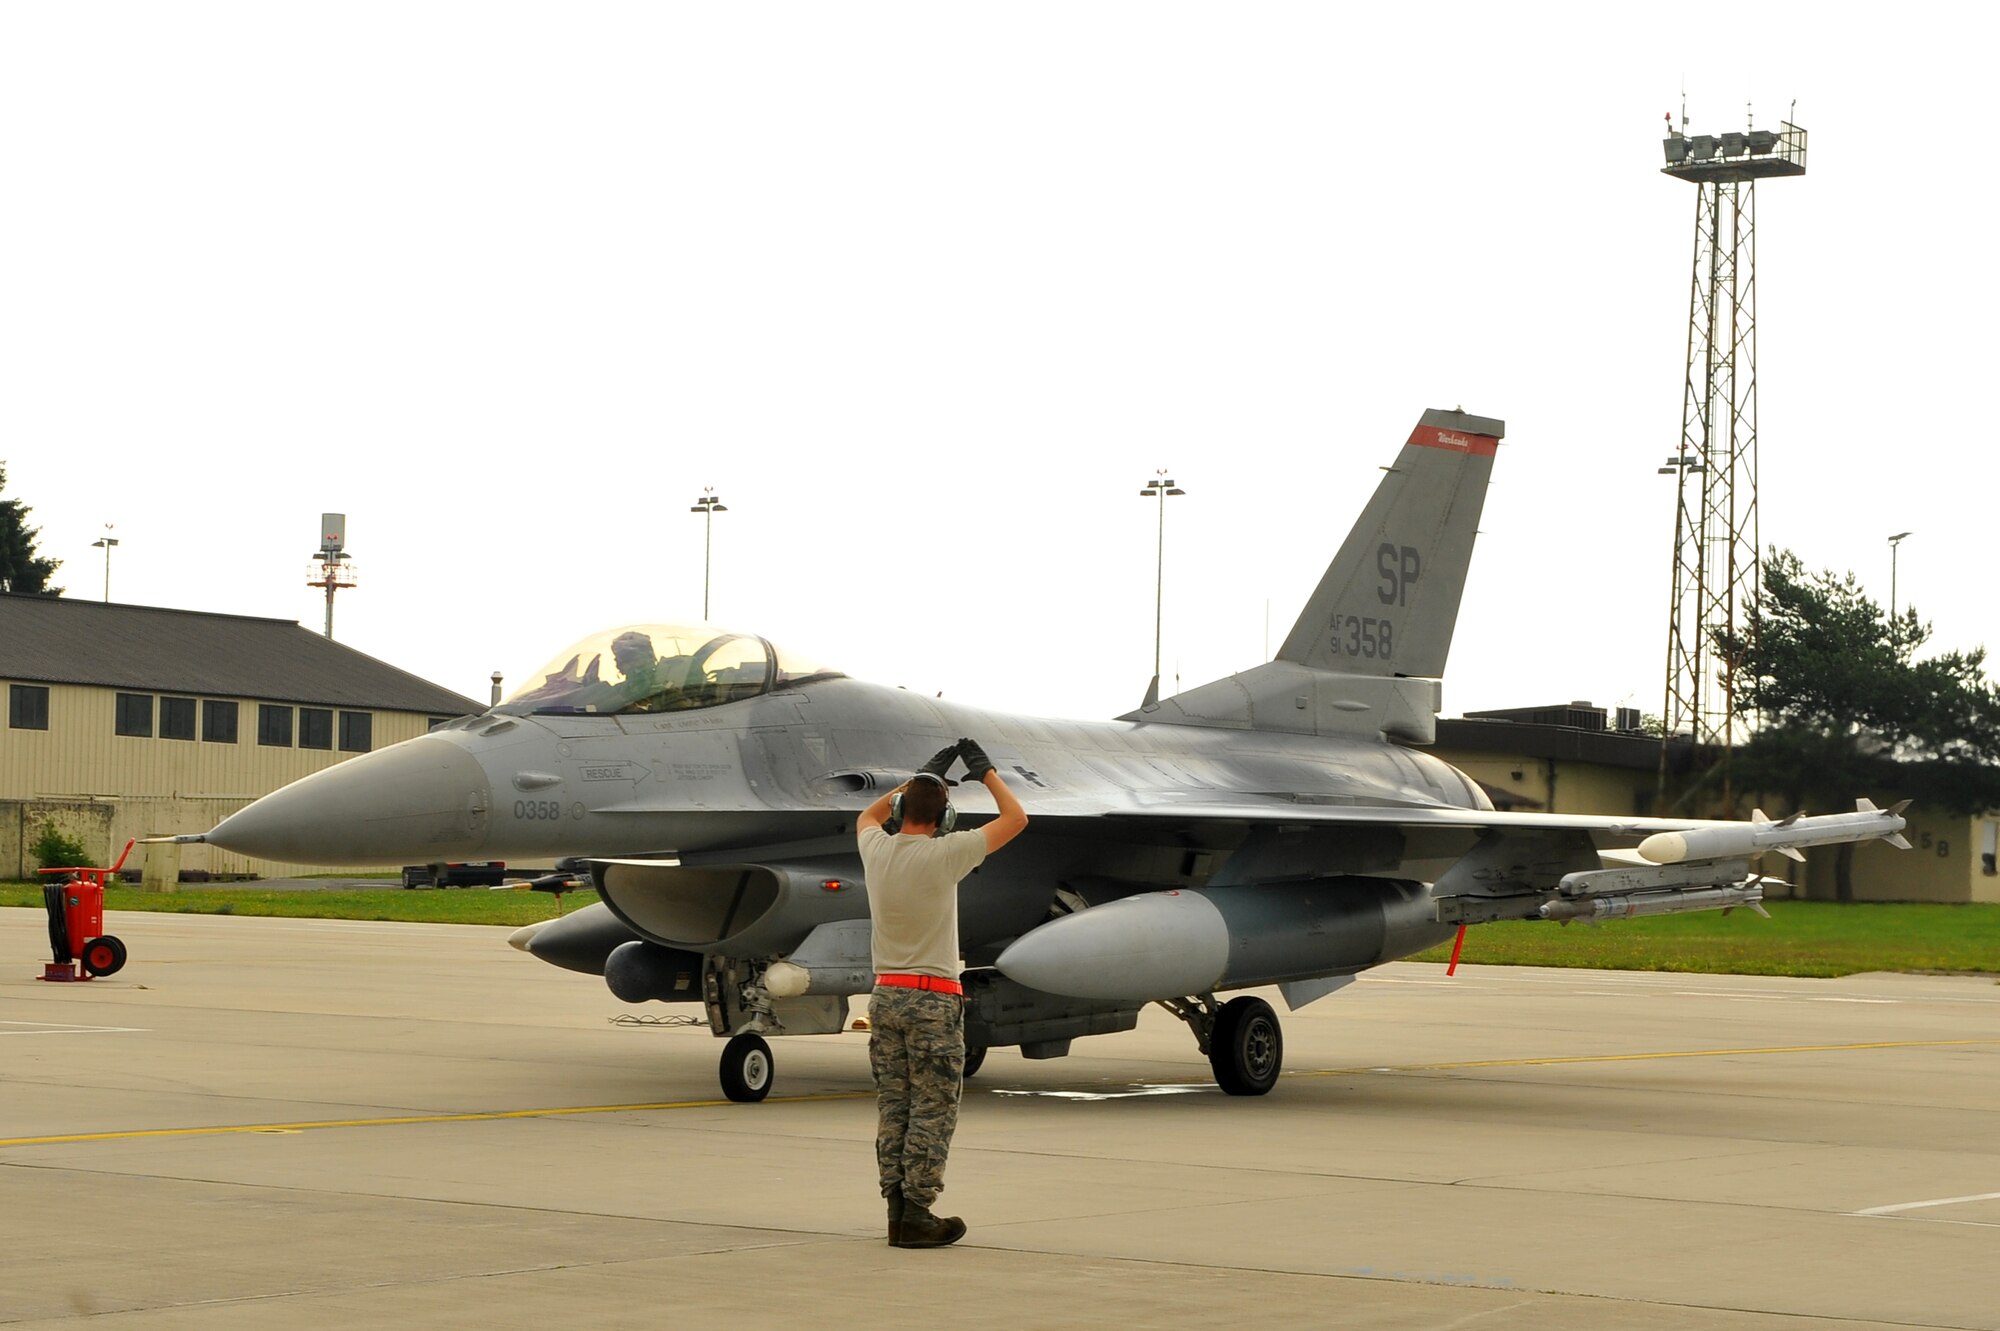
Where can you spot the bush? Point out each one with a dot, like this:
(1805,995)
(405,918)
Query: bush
(57,851)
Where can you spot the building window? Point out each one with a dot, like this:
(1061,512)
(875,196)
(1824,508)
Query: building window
(135,714)
(315,728)
(176,718)
(355,729)
(274,725)
(27,707)
(218,721)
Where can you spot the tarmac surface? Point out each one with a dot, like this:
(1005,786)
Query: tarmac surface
(322,1124)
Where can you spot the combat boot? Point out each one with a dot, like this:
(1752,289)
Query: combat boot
(921,1229)
(896,1204)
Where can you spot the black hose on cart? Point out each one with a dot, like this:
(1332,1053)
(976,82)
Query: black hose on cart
(52,898)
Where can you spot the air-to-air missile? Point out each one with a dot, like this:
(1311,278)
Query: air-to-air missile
(1785,835)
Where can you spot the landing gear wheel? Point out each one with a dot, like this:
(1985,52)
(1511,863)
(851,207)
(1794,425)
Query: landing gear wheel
(975,1054)
(1247,1048)
(747,1069)
(104,956)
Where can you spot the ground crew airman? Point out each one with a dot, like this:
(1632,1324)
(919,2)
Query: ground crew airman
(916,1015)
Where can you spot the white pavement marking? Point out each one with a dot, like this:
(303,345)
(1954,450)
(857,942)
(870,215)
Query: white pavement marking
(56,1028)
(1918,1206)
(1188,1088)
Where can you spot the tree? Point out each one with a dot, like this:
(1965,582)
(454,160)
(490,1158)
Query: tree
(21,569)
(1844,706)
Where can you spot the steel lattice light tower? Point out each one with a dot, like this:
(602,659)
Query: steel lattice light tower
(1716,568)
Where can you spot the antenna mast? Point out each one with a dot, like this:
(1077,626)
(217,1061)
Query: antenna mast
(333,572)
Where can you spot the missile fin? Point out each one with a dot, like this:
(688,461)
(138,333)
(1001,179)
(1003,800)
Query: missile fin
(1899,806)
(1897,841)
(1758,906)
(1865,805)
(1792,853)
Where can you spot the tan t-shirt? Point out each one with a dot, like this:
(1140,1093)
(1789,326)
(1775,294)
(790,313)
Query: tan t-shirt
(913,898)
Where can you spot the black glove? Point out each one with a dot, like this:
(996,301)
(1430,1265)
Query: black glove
(977,764)
(940,762)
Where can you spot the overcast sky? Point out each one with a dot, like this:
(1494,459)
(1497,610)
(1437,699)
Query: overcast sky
(927,292)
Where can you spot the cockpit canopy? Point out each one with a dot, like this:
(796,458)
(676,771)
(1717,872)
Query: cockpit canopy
(658,668)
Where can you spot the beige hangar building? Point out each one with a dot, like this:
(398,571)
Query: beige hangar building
(1575,758)
(128,721)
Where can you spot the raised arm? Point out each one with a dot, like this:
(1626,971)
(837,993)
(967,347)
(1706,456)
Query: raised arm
(876,814)
(1013,819)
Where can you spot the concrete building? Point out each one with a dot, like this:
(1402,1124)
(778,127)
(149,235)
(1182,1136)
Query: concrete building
(128,721)
(1577,759)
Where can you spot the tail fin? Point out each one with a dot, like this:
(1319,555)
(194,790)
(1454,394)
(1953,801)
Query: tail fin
(1364,657)
(1389,601)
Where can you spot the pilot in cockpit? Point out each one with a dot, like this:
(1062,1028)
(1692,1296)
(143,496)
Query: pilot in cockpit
(637,662)
(650,684)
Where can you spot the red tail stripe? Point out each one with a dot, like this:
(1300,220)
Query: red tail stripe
(1458,441)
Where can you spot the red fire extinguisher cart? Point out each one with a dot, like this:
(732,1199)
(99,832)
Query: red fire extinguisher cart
(76,923)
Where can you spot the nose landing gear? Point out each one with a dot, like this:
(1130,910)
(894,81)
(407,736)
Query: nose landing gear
(747,1068)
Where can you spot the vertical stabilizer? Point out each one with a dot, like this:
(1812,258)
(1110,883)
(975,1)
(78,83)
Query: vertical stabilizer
(1389,601)
(1365,657)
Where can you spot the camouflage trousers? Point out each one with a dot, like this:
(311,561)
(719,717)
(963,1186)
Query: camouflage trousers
(916,1045)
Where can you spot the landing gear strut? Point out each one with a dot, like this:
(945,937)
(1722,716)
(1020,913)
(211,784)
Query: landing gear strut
(1242,1039)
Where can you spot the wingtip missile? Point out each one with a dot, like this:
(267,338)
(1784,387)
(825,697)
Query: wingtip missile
(1866,823)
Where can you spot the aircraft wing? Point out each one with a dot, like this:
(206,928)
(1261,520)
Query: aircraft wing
(1552,866)
(1280,809)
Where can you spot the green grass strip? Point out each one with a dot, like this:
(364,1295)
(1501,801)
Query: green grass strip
(460,905)
(1803,938)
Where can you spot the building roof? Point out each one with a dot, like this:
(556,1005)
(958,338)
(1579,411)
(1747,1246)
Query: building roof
(1569,732)
(54,640)
(1568,743)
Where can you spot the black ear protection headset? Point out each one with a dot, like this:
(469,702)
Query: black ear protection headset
(946,820)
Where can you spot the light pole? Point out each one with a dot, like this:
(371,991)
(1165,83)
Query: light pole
(1894,541)
(104,543)
(708,505)
(1162,486)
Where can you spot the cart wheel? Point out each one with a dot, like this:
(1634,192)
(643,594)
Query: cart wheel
(104,955)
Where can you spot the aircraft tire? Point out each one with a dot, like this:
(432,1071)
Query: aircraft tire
(975,1054)
(1247,1049)
(104,955)
(747,1069)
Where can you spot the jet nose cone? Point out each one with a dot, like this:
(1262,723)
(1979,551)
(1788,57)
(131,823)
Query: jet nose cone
(422,800)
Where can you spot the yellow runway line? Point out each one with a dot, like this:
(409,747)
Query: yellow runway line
(406,1119)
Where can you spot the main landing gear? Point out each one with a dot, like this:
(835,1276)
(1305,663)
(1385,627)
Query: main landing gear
(1242,1039)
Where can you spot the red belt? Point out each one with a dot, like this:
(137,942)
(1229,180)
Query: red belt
(930,982)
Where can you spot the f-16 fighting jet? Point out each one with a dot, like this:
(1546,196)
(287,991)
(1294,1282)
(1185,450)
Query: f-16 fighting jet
(1277,827)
